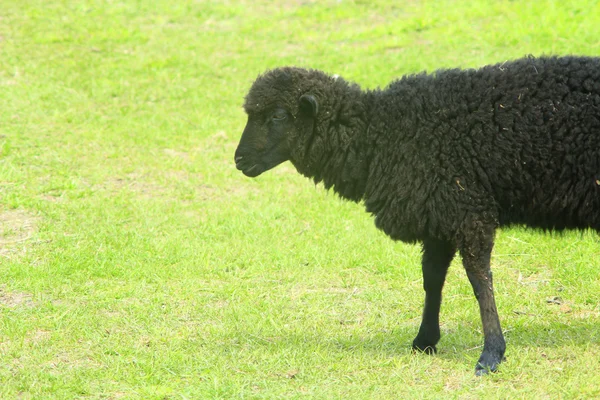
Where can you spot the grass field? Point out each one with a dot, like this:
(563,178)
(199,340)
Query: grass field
(136,262)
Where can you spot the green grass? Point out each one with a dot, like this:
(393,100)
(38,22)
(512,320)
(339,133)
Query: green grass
(136,262)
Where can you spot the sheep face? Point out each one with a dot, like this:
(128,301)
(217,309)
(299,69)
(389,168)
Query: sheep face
(264,143)
(271,134)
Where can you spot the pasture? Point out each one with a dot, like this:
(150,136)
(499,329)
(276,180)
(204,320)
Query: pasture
(136,262)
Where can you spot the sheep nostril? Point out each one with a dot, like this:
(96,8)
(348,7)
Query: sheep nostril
(238,159)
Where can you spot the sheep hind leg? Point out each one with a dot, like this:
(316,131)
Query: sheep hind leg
(476,256)
(437,256)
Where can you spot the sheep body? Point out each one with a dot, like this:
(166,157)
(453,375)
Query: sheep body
(519,141)
(443,158)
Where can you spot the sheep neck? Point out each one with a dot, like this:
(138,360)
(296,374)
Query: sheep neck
(337,153)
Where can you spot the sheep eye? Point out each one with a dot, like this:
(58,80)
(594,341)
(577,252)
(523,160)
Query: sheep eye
(279,115)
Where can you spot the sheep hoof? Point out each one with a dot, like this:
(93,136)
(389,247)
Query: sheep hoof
(480,370)
(427,349)
(487,364)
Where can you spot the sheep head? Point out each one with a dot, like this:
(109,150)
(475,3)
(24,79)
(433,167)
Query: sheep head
(279,114)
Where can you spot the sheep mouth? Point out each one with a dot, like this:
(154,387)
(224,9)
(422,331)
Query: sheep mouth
(266,161)
(252,171)
(249,169)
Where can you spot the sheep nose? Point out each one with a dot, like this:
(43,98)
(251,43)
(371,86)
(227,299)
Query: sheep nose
(238,159)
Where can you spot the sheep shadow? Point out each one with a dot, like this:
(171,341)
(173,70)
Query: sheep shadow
(458,341)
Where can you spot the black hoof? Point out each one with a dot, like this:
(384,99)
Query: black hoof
(487,364)
(480,370)
(427,349)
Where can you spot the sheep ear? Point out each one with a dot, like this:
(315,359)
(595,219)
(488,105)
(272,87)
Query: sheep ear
(309,105)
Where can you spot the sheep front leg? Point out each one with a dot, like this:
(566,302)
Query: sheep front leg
(476,256)
(437,256)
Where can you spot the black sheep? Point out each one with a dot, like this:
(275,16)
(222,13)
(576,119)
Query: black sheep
(443,159)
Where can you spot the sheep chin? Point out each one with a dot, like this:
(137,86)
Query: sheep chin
(254,171)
